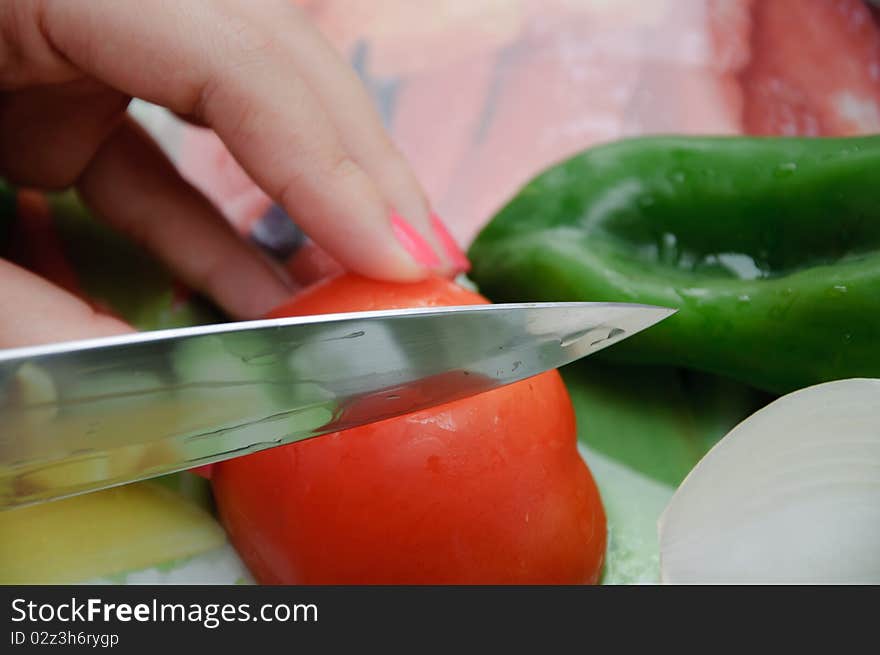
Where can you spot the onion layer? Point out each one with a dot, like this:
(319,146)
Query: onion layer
(791,495)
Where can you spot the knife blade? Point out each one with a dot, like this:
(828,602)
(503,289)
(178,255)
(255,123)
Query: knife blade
(82,416)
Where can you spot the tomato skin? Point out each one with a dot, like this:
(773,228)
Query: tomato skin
(485,490)
(353,293)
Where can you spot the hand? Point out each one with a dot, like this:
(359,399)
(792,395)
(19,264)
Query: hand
(286,106)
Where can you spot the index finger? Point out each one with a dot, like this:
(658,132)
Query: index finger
(216,61)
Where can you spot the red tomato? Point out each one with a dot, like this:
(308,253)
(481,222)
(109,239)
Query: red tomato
(485,490)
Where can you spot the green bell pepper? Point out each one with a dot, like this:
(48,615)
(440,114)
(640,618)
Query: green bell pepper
(768,247)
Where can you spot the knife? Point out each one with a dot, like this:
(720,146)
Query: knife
(86,415)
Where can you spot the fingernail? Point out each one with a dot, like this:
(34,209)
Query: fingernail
(456,256)
(413,242)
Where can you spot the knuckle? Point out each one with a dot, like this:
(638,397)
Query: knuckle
(27,55)
(220,94)
(205,99)
(343,167)
(336,174)
(239,50)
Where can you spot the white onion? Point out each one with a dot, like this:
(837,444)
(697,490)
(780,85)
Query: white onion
(791,495)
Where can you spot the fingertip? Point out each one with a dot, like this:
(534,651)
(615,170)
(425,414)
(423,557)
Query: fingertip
(400,268)
(413,242)
(399,252)
(454,254)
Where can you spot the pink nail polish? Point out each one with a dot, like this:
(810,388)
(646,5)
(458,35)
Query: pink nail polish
(456,256)
(413,242)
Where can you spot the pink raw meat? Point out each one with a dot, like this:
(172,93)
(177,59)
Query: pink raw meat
(488,93)
(435,115)
(555,92)
(688,75)
(406,37)
(815,69)
(483,94)
(577,77)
